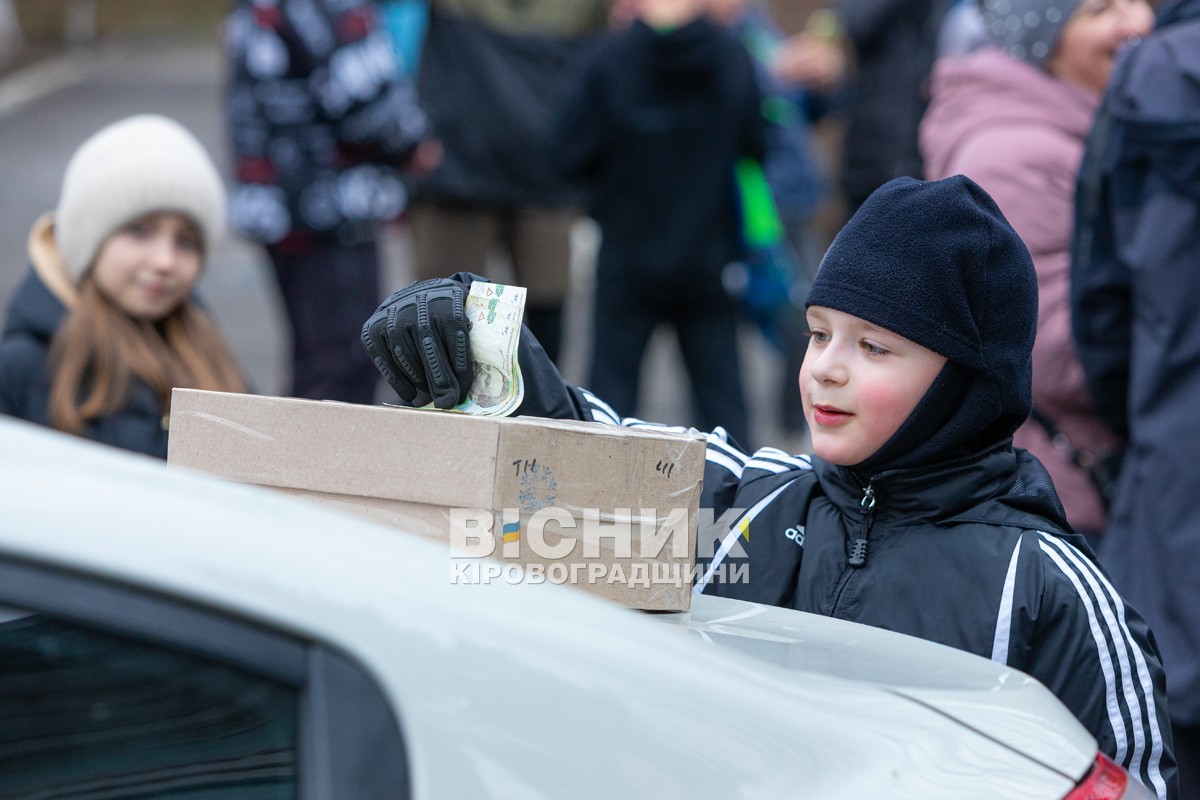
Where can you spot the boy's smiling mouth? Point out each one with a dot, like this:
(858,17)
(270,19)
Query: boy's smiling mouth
(830,415)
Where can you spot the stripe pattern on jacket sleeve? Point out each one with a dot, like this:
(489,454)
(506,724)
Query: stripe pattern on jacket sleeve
(737,530)
(1003,635)
(1106,619)
(719,451)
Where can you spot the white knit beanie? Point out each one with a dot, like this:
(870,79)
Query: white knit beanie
(133,167)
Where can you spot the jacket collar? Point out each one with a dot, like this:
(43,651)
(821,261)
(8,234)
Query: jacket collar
(48,262)
(936,493)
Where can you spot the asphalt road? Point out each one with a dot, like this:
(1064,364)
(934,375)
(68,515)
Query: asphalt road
(48,109)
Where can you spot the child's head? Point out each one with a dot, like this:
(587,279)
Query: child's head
(141,204)
(923,314)
(1074,40)
(668,13)
(727,12)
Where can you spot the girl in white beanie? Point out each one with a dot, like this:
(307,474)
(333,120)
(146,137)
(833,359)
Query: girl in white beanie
(104,325)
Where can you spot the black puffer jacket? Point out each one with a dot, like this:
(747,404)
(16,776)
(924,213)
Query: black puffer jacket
(33,316)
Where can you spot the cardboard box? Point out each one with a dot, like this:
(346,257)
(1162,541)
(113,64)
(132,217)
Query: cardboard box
(610,510)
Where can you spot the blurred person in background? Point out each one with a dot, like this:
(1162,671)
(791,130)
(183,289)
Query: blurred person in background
(321,123)
(1014,116)
(1135,290)
(962,29)
(104,325)
(883,51)
(654,128)
(796,176)
(493,77)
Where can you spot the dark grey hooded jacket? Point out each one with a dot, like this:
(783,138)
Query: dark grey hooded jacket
(1135,291)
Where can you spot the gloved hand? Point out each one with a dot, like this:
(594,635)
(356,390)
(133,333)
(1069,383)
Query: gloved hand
(419,340)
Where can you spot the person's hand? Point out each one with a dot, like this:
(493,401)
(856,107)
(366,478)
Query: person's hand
(811,61)
(426,156)
(419,339)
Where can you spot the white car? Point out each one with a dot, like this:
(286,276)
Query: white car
(170,635)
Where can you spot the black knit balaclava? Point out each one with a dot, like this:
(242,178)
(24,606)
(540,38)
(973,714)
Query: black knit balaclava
(937,263)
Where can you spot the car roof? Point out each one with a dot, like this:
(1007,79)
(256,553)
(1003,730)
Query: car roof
(526,686)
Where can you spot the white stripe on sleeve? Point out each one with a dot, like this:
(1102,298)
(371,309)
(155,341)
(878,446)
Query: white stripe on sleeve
(601,411)
(1004,615)
(717,457)
(736,530)
(1143,724)
(1106,665)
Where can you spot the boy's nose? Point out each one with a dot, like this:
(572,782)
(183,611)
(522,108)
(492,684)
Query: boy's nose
(827,366)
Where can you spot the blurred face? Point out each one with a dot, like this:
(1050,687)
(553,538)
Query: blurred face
(1092,36)
(726,11)
(859,383)
(668,13)
(149,266)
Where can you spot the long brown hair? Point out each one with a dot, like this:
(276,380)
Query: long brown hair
(99,351)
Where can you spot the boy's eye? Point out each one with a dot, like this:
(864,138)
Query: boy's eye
(817,336)
(873,349)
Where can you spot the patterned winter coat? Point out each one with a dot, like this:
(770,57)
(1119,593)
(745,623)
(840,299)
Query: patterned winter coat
(320,120)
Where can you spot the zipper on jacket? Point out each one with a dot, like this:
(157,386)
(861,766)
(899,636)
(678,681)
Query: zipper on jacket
(858,548)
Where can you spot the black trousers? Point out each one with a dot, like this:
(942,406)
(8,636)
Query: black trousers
(705,320)
(329,290)
(1187,755)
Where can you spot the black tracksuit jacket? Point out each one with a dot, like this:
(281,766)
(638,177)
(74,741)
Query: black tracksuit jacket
(974,553)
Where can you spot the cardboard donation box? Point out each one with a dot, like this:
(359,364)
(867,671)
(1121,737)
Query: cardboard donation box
(610,510)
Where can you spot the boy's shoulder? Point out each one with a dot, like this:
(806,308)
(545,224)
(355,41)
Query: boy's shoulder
(1022,494)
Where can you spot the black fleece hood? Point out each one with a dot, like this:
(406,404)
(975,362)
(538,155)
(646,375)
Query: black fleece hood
(937,263)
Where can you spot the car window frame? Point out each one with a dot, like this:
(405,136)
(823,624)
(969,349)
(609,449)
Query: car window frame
(342,711)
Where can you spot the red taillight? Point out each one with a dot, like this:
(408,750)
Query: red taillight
(1106,781)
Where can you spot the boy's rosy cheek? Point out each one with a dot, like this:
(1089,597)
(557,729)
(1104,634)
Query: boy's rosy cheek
(881,408)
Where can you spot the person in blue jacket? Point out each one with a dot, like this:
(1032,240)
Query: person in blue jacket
(1135,286)
(915,512)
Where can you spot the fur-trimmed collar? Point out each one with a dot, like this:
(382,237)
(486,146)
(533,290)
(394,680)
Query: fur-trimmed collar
(48,263)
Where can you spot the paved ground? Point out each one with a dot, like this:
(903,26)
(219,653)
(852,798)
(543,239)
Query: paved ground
(46,110)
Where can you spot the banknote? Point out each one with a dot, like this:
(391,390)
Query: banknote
(495,311)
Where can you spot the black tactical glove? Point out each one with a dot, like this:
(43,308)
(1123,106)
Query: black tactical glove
(419,340)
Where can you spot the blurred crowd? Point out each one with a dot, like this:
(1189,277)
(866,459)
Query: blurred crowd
(718,154)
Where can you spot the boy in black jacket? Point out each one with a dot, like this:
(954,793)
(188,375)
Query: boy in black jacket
(659,117)
(915,513)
